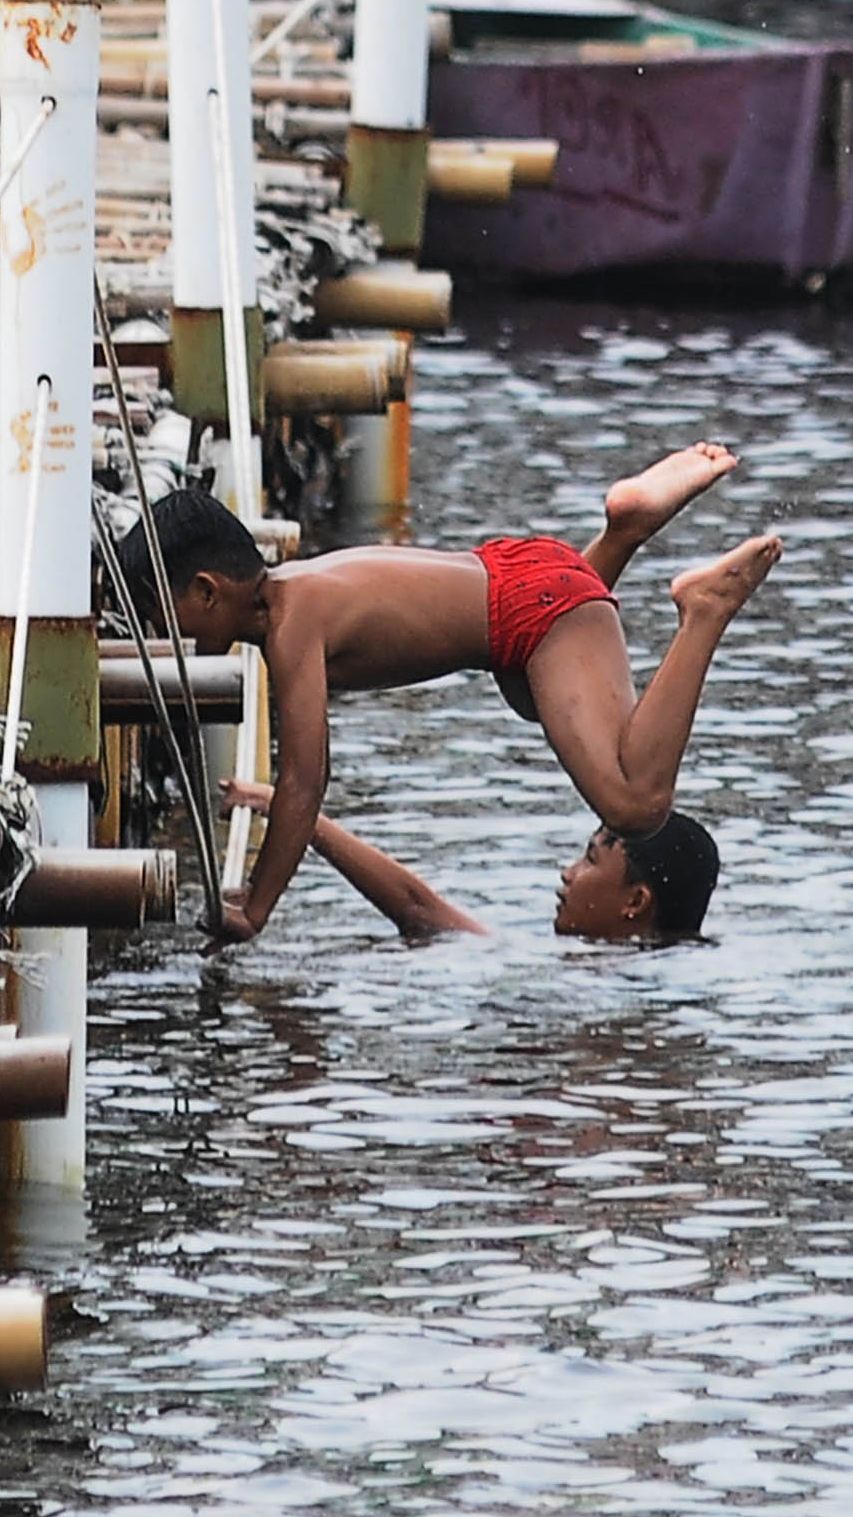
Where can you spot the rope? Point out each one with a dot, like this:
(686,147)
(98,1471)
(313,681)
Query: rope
(22,615)
(207,858)
(200,797)
(239,423)
(47,108)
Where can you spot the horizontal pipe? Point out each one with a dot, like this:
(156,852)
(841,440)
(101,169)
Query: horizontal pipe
(533,159)
(152,83)
(277,538)
(158,647)
(387,295)
(395,351)
(323,384)
(217,685)
(87,888)
(34,1076)
(470,177)
(23,1339)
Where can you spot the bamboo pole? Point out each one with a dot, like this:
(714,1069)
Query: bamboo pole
(395,352)
(326,384)
(388,295)
(34,1078)
(470,177)
(23,1339)
(534,159)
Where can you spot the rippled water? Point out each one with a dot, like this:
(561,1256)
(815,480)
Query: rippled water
(517,1224)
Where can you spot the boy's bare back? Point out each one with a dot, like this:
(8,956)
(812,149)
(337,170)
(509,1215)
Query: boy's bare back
(384,616)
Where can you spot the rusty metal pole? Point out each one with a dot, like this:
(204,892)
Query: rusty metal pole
(46,274)
(23,1339)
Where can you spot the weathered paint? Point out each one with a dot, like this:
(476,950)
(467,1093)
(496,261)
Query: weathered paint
(198,365)
(61,697)
(386,182)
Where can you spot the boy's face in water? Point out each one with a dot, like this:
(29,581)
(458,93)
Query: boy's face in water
(596,899)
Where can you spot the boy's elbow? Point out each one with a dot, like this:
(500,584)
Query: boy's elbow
(638,816)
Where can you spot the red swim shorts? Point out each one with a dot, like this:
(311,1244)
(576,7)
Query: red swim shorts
(532,582)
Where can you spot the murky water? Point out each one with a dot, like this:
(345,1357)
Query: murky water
(505,1225)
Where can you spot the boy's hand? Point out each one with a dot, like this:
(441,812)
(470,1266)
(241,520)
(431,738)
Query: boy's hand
(235,793)
(236,927)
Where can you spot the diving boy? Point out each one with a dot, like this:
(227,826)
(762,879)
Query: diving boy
(532,610)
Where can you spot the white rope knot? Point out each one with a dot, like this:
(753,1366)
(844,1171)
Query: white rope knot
(18,839)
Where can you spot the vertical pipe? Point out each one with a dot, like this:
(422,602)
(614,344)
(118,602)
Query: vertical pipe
(46,276)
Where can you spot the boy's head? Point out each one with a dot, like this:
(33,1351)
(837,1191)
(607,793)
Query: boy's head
(656,888)
(212,563)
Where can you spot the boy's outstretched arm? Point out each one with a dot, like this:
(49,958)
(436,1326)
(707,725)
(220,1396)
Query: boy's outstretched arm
(298,671)
(415,909)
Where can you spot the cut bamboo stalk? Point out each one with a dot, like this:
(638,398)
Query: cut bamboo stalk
(395,351)
(476,178)
(534,159)
(23,1339)
(331,94)
(34,1077)
(390,295)
(85,888)
(133,50)
(323,384)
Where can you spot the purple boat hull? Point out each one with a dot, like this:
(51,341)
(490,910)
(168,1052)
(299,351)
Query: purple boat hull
(715,159)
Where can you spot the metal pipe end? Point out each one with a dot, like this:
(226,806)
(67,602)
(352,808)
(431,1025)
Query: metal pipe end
(23,1339)
(159,886)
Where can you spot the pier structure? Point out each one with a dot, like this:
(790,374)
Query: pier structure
(49,53)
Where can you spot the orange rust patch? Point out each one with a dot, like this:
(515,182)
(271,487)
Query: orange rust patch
(32,42)
(69,33)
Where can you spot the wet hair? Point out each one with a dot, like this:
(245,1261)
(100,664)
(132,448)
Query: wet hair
(196,533)
(680,865)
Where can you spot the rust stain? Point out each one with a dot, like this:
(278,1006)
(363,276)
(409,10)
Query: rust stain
(32,42)
(21,428)
(69,33)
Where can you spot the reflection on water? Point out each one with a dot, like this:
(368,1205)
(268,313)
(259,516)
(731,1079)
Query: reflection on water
(507,1225)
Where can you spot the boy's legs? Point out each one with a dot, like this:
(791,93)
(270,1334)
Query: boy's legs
(624,754)
(636,509)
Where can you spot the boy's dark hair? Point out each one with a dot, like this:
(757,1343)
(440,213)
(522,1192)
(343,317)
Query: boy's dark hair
(680,865)
(196,533)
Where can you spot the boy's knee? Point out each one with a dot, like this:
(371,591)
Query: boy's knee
(639,816)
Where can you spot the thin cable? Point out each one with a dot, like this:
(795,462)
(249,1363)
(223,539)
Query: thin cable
(22,616)
(198,765)
(48,106)
(210,881)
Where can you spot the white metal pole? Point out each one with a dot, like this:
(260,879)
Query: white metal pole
(197,283)
(390,64)
(22,614)
(46,277)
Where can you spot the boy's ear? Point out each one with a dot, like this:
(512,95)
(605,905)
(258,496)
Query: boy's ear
(640,903)
(205,586)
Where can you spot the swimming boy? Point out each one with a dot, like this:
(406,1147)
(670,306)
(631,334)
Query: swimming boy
(365,618)
(619,888)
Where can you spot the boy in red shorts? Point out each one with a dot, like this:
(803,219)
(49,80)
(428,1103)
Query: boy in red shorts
(368,618)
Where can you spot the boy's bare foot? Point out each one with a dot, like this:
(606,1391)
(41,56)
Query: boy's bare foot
(638,507)
(717,591)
